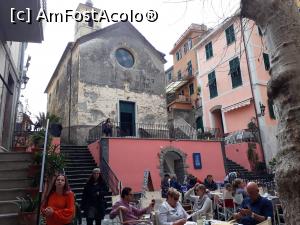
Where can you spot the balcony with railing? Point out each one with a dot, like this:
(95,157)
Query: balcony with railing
(180,101)
(152,131)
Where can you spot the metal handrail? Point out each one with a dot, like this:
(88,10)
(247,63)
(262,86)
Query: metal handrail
(42,173)
(110,177)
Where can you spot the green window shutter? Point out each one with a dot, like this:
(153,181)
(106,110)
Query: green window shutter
(266,61)
(230,36)
(209,50)
(235,72)
(190,68)
(271,109)
(212,83)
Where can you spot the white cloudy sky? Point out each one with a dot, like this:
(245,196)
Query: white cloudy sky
(174,16)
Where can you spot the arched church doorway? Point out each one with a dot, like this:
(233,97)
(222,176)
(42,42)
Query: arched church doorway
(172,162)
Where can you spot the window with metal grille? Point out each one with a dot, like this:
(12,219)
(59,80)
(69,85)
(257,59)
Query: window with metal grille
(191,88)
(230,36)
(212,84)
(190,68)
(208,50)
(271,109)
(266,61)
(235,72)
(179,75)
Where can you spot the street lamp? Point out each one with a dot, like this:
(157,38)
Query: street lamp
(262,109)
(24,78)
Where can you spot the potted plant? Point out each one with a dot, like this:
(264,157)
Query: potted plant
(55,125)
(28,210)
(54,162)
(37,140)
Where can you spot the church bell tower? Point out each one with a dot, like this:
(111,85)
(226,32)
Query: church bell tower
(85,27)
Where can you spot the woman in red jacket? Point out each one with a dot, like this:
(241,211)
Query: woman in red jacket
(59,207)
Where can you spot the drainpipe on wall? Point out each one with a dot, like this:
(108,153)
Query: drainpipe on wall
(70,94)
(251,86)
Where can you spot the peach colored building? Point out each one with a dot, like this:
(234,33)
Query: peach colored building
(182,91)
(231,96)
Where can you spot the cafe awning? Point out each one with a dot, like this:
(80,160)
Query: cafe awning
(172,87)
(237,105)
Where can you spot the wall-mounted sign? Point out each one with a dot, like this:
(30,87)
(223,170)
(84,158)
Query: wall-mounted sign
(197,161)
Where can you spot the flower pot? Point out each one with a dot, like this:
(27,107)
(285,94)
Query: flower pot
(55,129)
(27,218)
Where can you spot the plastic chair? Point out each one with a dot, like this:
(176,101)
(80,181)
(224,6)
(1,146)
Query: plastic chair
(227,208)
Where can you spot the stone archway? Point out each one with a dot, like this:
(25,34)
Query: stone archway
(173,162)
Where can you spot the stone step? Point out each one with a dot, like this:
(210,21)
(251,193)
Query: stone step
(16,173)
(77,185)
(9,219)
(72,168)
(74,150)
(76,154)
(12,193)
(14,183)
(15,156)
(77,180)
(77,189)
(73,146)
(91,161)
(14,164)
(79,158)
(9,207)
(82,174)
(80,164)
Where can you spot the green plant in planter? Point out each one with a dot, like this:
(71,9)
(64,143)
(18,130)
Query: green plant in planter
(28,210)
(37,138)
(54,162)
(27,204)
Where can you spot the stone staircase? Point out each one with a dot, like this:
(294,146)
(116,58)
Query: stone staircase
(79,166)
(13,183)
(245,174)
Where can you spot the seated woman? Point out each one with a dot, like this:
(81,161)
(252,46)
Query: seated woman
(202,204)
(59,205)
(171,211)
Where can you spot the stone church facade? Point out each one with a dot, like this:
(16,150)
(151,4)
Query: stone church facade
(112,72)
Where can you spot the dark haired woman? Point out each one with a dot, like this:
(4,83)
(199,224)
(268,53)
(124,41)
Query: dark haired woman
(59,206)
(93,203)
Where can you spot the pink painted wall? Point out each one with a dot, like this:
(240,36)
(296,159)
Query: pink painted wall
(94,149)
(238,153)
(238,119)
(129,158)
(56,142)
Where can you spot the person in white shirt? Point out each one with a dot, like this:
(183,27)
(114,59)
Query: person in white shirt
(171,211)
(202,204)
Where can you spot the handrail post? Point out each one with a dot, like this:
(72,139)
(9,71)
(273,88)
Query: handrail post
(42,174)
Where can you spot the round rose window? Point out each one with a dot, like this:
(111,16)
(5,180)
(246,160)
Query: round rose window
(124,57)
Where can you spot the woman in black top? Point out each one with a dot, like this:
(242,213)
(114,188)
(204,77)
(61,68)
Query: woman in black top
(93,203)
